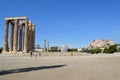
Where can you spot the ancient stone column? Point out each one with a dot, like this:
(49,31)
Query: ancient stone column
(5,49)
(33,36)
(20,38)
(15,47)
(30,36)
(17,33)
(11,37)
(23,38)
(45,45)
(48,46)
(26,37)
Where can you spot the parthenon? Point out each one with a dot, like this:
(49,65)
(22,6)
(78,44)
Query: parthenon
(22,35)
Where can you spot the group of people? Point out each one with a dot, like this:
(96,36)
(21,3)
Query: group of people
(35,54)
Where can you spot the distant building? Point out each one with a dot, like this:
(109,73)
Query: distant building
(79,49)
(38,48)
(100,44)
(64,48)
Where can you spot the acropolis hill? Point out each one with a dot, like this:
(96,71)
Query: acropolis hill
(100,43)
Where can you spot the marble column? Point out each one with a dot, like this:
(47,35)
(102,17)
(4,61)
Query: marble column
(11,37)
(26,37)
(45,45)
(48,46)
(33,36)
(23,38)
(15,47)
(5,49)
(30,36)
(20,38)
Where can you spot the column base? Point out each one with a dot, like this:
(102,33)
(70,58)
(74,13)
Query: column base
(14,52)
(4,51)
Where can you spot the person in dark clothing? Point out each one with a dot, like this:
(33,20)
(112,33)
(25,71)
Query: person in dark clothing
(31,53)
(39,54)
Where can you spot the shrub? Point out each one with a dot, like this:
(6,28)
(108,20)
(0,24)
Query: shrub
(72,50)
(110,49)
(96,50)
(54,49)
(86,50)
(1,50)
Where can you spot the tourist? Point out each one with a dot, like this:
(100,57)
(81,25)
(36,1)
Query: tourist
(39,54)
(31,53)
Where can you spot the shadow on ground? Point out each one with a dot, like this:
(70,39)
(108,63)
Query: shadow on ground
(5,72)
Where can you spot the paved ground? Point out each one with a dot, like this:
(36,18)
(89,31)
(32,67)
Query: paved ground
(94,67)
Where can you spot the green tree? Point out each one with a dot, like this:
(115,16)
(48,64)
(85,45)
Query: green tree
(106,50)
(96,50)
(118,49)
(54,49)
(72,50)
(111,49)
(86,50)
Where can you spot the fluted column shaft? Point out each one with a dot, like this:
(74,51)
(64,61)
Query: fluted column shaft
(47,46)
(5,49)
(23,38)
(26,37)
(20,38)
(15,47)
(33,36)
(44,45)
(30,36)
(11,37)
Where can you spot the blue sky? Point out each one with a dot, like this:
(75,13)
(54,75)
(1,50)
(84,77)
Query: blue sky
(72,22)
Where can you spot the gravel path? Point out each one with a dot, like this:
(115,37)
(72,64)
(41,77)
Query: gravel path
(94,67)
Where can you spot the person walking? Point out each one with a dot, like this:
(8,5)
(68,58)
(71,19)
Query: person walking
(39,54)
